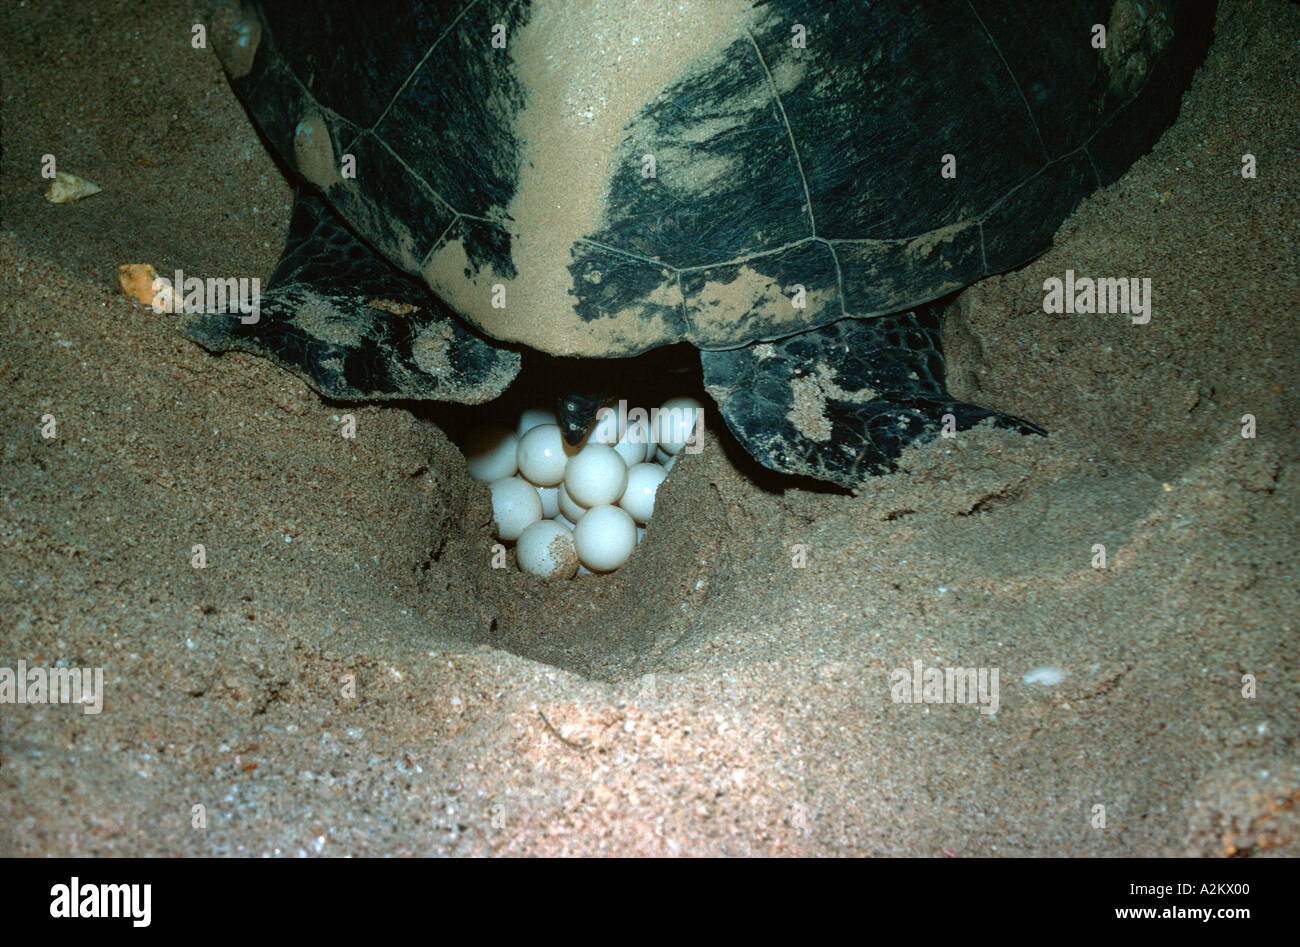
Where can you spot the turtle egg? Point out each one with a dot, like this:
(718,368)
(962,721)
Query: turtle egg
(596,476)
(550,501)
(541,455)
(571,510)
(609,427)
(634,445)
(632,453)
(533,417)
(546,550)
(639,497)
(605,538)
(515,506)
(674,423)
(490,453)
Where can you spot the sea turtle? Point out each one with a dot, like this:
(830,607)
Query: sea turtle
(785,184)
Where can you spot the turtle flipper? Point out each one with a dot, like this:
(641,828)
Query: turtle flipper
(840,403)
(354,327)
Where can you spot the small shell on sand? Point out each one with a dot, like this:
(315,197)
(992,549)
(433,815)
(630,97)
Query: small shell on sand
(68,188)
(136,280)
(1046,675)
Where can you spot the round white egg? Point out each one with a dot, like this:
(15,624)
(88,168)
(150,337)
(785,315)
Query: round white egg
(605,538)
(550,501)
(533,417)
(639,432)
(546,550)
(632,446)
(541,455)
(639,498)
(631,453)
(568,508)
(609,427)
(515,506)
(490,453)
(675,421)
(596,476)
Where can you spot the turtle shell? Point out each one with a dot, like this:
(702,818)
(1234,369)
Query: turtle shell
(599,179)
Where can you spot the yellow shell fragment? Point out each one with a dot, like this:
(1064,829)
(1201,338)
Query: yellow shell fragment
(136,280)
(68,188)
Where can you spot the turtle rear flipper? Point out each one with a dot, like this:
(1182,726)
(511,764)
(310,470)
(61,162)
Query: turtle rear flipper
(576,412)
(353,326)
(841,403)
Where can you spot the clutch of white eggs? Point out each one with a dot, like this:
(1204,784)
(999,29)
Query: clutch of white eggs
(583,508)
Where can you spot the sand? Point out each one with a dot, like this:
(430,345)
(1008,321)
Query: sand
(348,676)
